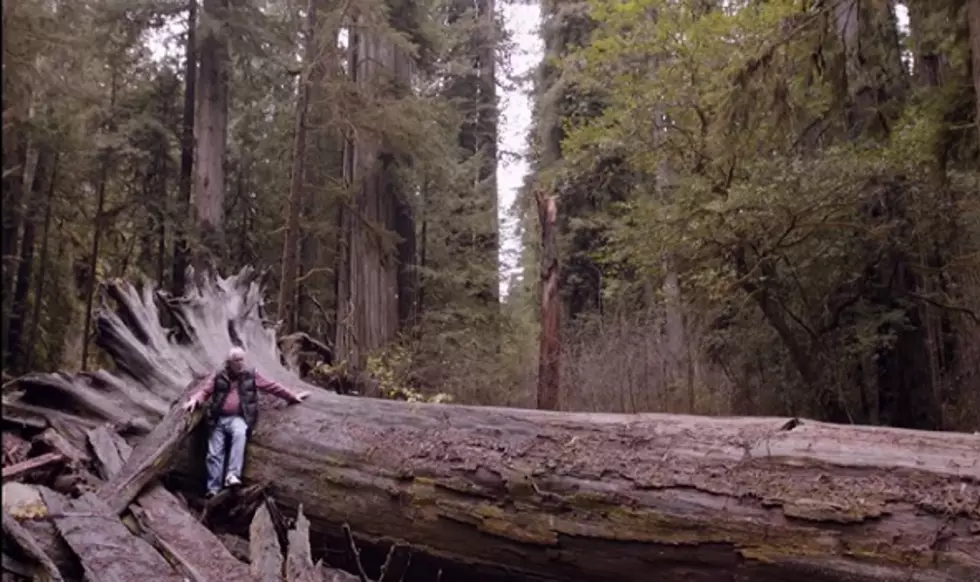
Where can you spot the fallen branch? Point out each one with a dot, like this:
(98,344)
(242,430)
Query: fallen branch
(355,554)
(40,462)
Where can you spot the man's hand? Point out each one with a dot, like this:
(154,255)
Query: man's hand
(192,403)
(301,396)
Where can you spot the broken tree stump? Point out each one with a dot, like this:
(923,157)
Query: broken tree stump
(264,549)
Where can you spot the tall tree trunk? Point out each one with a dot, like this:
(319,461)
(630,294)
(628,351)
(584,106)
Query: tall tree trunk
(93,263)
(42,270)
(487,133)
(43,185)
(549,362)
(973,17)
(291,239)
(181,247)
(14,164)
(367,273)
(211,134)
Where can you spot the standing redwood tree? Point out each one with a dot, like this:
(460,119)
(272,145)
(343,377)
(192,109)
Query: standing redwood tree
(291,240)
(186,149)
(550,357)
(211,130)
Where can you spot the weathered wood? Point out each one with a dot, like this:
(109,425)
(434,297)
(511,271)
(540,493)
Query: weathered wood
(198,553)
(695,498)
(151,458)
(109,455)
(31,547)
(40,462)
(170,527)
(266,553)
(108,551)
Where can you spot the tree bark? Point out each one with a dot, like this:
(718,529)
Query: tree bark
(41,194)
(367,273)
(549,360)
(561,496)
(973,17)
(186,152)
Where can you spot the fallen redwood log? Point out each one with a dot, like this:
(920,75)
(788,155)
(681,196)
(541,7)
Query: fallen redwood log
(558,496)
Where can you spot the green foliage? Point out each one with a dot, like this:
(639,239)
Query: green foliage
(754,176)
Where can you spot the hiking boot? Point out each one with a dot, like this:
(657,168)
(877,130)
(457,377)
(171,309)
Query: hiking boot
(232,481)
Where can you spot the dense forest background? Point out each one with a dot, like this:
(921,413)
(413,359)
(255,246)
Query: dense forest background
(736,207)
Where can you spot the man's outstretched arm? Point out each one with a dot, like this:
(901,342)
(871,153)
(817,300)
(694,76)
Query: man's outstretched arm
(202,394)
(277,389)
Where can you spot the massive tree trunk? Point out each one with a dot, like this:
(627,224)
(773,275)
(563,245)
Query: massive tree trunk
(211,130)
(549,353)
(41,193)
(367,315)
(973,17)
(558,496)
(186,151)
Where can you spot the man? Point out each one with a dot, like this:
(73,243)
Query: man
(232,412)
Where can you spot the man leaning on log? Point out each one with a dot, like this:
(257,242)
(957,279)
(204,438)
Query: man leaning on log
(232,413)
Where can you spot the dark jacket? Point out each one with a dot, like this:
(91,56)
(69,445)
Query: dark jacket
(248,395)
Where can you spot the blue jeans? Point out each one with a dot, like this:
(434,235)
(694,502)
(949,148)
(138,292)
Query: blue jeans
(235,429)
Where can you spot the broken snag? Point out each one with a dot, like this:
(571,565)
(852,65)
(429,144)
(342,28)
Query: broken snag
(264,548)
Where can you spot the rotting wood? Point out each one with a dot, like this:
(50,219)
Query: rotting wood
(582,496)
(151,458)
(170,527)
(44,461)
(108,551)
(31,547)
(266,553)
